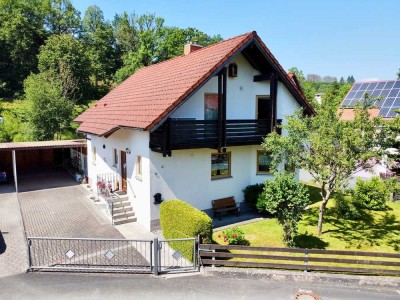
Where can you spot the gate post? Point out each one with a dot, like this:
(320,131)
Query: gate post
(156,256)
(28,244)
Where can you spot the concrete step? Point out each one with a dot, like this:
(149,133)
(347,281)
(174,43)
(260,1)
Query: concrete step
(122,210)
(119,194)
(121,204)
(118,200)
(124,221)
(123,215)
(124,198)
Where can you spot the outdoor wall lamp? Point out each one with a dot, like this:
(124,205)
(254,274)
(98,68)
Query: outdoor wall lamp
(127,150)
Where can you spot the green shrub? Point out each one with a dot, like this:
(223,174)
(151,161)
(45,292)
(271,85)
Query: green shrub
(181,220)
(252,192)
(371,194)
(345,208)
(233,236)
(287,198)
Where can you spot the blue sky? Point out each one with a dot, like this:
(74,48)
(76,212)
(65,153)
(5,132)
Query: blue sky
(335,37)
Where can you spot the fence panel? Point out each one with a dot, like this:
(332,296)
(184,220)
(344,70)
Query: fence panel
(93,255)
(300,259)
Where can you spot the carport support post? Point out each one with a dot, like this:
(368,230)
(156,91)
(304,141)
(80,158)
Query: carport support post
(14,159)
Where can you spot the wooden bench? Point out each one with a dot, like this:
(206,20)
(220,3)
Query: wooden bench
(225,206)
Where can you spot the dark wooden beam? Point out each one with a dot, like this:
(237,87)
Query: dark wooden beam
(167,139)
(222,109)
(262,77)
(224,74)
(273,91)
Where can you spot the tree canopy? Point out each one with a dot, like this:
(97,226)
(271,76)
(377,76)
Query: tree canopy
(49,110)
(327,147)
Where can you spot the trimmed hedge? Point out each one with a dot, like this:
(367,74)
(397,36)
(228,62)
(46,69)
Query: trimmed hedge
(181,220)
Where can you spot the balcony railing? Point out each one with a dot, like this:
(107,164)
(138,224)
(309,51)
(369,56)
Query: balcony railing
(188,134)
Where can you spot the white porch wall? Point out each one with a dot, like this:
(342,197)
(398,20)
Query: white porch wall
(186,175)
(138,143)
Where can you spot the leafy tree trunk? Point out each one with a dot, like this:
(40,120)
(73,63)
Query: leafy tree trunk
(325,197)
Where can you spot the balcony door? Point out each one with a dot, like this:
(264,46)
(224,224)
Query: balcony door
(264,108)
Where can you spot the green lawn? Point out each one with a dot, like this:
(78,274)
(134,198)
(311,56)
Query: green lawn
(377,230)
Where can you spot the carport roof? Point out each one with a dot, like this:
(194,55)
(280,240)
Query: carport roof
(42,145)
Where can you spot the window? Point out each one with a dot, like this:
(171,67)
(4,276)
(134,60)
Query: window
(93,155)
(220,165)
(210,106)
(263,162)
(115,157)
(139,166)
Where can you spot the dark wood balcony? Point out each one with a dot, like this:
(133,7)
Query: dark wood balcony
(177,134)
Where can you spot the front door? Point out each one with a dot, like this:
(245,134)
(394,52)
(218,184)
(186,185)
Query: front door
(123,171)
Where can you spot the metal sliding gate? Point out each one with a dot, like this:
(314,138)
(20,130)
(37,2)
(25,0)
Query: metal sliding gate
(112,255)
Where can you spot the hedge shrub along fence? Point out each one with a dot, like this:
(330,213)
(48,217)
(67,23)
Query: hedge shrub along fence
(301,259)
(181,220)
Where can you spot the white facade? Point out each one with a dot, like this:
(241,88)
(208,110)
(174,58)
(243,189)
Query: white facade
(186,175)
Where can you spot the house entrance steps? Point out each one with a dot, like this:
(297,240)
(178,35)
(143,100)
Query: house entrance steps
(122,211)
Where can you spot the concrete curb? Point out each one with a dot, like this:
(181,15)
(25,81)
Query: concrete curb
(278,275)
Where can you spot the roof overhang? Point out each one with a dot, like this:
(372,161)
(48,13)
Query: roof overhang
(43,145)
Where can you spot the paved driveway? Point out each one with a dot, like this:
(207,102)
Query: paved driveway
(52,206)
(13,257)
(64,212)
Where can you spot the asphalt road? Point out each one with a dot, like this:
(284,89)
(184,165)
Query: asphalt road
(107,286)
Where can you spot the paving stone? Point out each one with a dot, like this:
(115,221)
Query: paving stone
(14,260)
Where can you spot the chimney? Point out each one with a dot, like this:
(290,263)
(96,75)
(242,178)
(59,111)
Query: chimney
(191,47)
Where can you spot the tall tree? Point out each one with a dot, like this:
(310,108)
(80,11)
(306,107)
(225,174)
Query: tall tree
(398,74)
(21,35)
(144,40)
(62,17)
(100,44)
(350,79)
(65,56)
(50,111)
(328,148)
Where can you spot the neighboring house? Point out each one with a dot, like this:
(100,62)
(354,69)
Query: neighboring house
(387,92)
(191,127)
(318,97)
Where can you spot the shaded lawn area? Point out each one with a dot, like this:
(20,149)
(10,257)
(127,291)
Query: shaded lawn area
(377,231)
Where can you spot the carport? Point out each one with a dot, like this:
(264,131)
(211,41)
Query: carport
(33,156)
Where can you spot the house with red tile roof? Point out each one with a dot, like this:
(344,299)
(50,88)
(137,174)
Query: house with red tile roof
(191,127)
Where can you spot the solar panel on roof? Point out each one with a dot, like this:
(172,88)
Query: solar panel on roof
(387,92)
